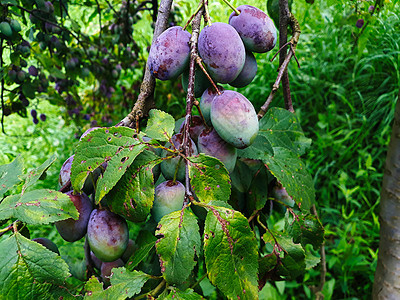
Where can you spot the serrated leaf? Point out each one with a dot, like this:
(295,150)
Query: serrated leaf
(160,125)
(124,284)
(257,195)
(209,178)
(132,197)
(311,260)
(292,255)
(38,207)
(9,175)
(230,250)
(127,283)
(293,175)
(178,244)
(188,294)
(35,174)
(278,128)
(145,242)
(27,269)
(307,229)
(118,146)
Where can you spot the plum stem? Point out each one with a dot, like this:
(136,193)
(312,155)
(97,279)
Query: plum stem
(232,7)
(199,63)
(197,104)
(207,18)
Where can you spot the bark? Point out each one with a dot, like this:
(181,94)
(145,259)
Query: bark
(387,275)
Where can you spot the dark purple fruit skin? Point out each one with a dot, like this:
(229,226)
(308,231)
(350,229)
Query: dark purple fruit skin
(168,166)
(248,72)
(73,230)
(196,127)
(106,268)
(222,51)
(168,197)
(169,54)
(107,234)
(48,244)
(206,100)
(256,29)
(360,23)
(210,143)
(96,262)
(234,119)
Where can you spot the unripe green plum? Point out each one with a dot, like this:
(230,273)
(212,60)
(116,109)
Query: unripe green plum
(107,234)
(210,143)
(106,269)
(15,25)
(168,166)
(234,118)
(48,244)
(168,197)
(73,230)
(5,29)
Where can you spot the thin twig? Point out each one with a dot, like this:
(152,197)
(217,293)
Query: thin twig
(283,67)
(2,87)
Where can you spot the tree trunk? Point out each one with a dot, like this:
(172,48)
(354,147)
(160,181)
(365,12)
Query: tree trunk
(387,275)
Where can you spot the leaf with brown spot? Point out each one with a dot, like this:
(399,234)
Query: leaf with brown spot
(38,207)
(9,175)
(231,253)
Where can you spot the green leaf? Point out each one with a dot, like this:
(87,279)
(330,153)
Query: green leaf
(278,128)
(257,194)
(27,269)
(230,250)
(160,125)
(292,256)
(35,174)
(124,284)
(311,260)
(9,175)
(12,2)
(293,175)
(118,146)
(132,197)
(188,294)
(209,178)
(127,283)
(38,207)
(306,229)
(145,242)
(178,245)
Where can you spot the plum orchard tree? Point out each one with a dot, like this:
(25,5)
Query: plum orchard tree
(206,217)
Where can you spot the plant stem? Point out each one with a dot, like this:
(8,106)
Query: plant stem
(232,7)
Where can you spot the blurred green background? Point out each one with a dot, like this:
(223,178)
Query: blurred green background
(344,95)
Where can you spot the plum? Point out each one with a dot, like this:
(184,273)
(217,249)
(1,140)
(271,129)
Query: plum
(201,81)
(210,143)
(196,127)
(255,27)
(107,234)
(222,51)
(205,102)
(106,268)
(169,197)
(360,23)
(168,166)
(48,244)
(248,72)
(87,132)
(73,230)
(96,262)
(234,119)
(169,55)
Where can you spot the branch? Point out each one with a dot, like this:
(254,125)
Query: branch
(294,24)
(2,87)
(148,84)
(190,93)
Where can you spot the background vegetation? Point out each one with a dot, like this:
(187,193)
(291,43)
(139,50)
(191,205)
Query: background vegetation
(344,94)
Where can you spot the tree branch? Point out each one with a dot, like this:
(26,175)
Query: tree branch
(294,24)
(147,87)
